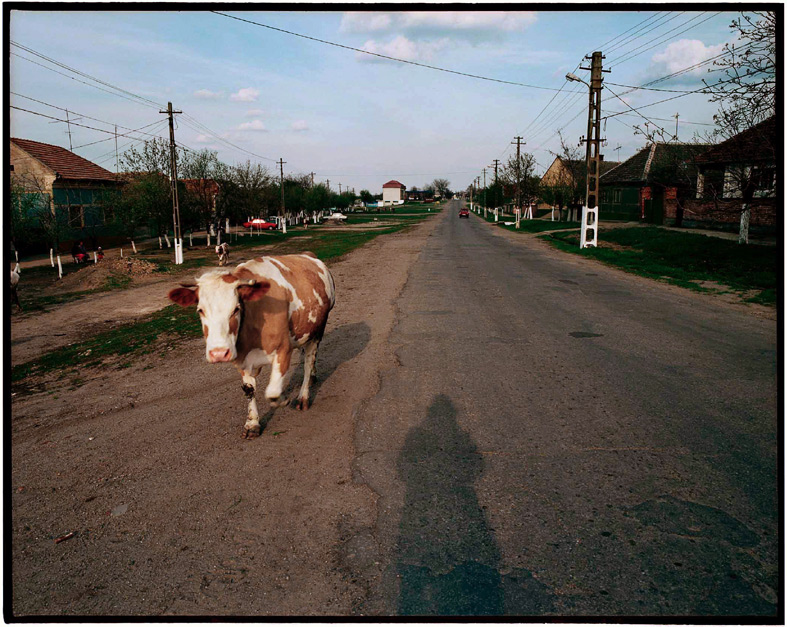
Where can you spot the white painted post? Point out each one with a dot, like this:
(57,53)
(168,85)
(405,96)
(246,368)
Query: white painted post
(517,213)
(284,226)
(95,257)
(218,239)
(228,225)
(59,268)
(16,268)
(553,213)
(159,242)
(589,223)
(495,214)
(134,246)
(191,241)
(178,251)
(166,237)
(16,254)
(51,257)
(121,253)
(208,244)
(530,212)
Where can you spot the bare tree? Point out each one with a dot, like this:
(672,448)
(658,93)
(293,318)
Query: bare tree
(442,187)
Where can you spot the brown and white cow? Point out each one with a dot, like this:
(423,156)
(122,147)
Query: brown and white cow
(223,251)
(257,314)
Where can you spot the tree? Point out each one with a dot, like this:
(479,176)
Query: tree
(366,196)
(24,216)
(519,173)
(569,188)
(206,170)
(442,187)
(747,96)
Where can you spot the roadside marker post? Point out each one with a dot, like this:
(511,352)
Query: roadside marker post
(160,245)
(95,257)
(166,237)
(134,246)
(59,268)
(191,241)
(51,257)
(518,213)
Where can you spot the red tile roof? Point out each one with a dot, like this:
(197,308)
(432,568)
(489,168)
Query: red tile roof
(757,143)
(396,184)
(64,162)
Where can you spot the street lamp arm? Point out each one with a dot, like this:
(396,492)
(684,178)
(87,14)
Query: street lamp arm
(574,77)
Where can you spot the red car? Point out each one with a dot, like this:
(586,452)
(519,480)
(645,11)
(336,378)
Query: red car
(259,223)
(464,213)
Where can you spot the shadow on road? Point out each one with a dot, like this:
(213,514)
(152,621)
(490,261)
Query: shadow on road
(447,558)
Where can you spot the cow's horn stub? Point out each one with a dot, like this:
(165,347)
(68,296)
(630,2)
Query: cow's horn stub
(251,282)
(188,284)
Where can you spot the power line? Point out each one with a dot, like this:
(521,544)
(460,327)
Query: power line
(383,56)
(651,28)
(136,130)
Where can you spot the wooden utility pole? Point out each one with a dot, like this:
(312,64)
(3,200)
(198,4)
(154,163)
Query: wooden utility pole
(676,116)
(312,173)
(281,184)
(494,198)
(340,189)
(68,124)
(329,184)
(592,154)
(518,175)
(173,177)
(117,165)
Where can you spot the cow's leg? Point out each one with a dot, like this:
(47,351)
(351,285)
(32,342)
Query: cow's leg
(281,364)
(309,358)
(252,427)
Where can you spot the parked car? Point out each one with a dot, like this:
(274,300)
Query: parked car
(336,215)
(464,213)
(259,223)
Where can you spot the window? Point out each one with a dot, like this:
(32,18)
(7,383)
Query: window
(109,214)
(76,216)
(764,179)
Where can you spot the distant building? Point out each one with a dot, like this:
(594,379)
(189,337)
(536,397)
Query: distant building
(563,176)
(68,185)
(393,191)
(646,186)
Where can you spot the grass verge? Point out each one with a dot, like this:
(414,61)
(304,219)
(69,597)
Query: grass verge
(684,259)
(128,341)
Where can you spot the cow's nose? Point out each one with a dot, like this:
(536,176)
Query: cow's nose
(219,354)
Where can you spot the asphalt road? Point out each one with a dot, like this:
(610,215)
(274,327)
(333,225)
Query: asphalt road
(559,437)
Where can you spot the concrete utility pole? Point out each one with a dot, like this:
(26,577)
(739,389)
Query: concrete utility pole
(173,177)
(312,173)
(592,154)
(68,124)
(117,165)
(340,189)
(518,175)
(676,116)
(329,184)
(281,184)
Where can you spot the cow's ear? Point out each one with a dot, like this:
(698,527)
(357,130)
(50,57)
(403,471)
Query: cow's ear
(253,290)
(184,296)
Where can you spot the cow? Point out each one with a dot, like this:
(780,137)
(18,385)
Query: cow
(14,284)
(223,251)
(257,314)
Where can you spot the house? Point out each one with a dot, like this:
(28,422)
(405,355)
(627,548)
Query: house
(647,186)
(724,172)
(69,186)
(419,194)
(393,191)
(563,176)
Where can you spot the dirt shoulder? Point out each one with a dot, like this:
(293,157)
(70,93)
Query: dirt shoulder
(171,512)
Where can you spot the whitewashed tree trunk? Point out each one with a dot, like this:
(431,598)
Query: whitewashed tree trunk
(743,235)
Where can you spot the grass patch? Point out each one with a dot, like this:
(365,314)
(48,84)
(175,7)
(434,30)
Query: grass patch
(36,302)
(128,339)
(539,226)
(139,338)
(683,258)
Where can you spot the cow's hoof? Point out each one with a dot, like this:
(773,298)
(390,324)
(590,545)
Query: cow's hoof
(279,401)
(302,404)
(251,431)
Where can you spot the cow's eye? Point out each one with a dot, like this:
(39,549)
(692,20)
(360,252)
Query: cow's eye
(200,312)
(236,310)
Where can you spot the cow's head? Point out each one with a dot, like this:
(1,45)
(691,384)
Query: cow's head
(219,297)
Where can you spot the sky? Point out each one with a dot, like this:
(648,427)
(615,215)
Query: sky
(252,93)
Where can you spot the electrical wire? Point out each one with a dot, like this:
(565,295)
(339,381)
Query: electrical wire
(383,56)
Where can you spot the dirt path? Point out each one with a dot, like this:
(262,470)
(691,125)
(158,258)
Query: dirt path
(172,512)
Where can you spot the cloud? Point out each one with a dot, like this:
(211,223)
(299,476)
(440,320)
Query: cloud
(444,21)
(680,54)
(400,47)
(203,139)
(247,94)
(253,113)
(254,125)
(206,94)
(299,125)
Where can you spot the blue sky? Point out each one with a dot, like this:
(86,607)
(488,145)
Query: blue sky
(352,118)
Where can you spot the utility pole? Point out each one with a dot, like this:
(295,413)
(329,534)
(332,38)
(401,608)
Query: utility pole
(117,165)
(312,173)
(329,184)
(340,189)
(68,124)
(676,116)
(494,198)
(592,155)
(518,175)
(173,177)
(281,184)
